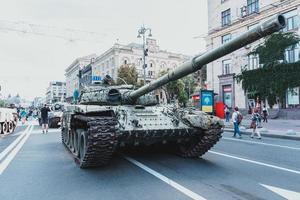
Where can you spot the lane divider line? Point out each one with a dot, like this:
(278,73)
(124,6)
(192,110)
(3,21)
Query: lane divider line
(165,179)
(262,143)
(255,162)
(14,152)
(14,143)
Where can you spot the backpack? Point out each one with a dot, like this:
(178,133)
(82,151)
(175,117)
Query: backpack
(239,118)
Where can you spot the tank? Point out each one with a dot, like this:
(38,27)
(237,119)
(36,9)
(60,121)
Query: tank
(8,120)
(111,117)
(56,114)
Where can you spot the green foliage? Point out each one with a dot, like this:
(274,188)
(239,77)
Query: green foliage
(182,97)
(274,78)
(270,81)
(189,83)
(272,50)
(3,103)
(180,88)
(127,73)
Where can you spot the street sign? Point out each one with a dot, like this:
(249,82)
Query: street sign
(96,78)
(207,100)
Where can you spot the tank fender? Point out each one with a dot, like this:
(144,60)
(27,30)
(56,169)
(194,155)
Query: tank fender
(202,120)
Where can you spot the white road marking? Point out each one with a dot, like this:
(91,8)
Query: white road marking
(256,162)
(13,144)
(39,131)
(4,164)
(165,179)
(288,194)
(262,143)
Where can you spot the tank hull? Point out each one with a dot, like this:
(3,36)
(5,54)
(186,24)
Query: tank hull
(127,126)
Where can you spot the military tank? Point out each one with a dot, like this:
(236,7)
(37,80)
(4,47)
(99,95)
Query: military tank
(56,114)
(110,117)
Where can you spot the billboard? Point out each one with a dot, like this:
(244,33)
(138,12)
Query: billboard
(207,101)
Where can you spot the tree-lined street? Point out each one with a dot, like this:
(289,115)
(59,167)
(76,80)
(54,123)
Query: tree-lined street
(233,169)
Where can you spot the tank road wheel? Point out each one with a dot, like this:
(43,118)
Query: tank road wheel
(82,148)
(10,127)
(5,127)
(97,141)
(197,148)
(71,138)
(76,136)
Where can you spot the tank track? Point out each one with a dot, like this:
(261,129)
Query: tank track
(209,139)
(101,141)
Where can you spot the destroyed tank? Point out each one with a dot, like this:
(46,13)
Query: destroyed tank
(110,117)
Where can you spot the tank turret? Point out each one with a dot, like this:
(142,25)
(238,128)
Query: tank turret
(113,117)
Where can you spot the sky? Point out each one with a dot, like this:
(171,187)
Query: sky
(40,39)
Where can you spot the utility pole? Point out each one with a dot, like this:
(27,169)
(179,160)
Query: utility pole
(142,32)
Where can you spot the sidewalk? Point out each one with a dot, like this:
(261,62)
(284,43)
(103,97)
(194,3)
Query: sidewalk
(286,129)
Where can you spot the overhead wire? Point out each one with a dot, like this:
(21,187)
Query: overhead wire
(48,31)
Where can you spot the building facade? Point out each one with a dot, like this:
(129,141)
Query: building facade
(157,60)
(228,19)
(56,92)
(72,75)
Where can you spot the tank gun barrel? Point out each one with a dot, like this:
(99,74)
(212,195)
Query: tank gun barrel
(261,30)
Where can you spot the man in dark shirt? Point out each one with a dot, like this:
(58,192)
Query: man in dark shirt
(44,118)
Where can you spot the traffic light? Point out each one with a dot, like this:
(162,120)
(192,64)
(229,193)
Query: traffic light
(146,52)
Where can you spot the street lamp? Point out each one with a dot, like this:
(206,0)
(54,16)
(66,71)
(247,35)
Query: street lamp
(142,31)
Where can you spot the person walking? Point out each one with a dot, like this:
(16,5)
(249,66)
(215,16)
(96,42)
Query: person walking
(44,118)
(23,115)
(265,114)
(227,113)
(254,124)
(236,119)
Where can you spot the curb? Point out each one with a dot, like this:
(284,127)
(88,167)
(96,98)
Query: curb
(290,137)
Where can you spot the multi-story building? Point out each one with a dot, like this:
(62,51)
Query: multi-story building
(157,60)
(56,92)
(72,75)
(229,18)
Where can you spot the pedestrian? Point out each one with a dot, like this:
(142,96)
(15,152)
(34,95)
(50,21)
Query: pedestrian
(254,123)
(23,115)
(265,114)
(44,118)
(236,119)
(227,113)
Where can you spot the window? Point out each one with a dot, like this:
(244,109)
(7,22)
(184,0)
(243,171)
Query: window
(227,95)
(292,54)
(226,66)
(226,18)
(226,38)
(150,73)
(292,20)
(252,6)
(253,62)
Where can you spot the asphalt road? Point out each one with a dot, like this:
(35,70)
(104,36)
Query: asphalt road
(40,167)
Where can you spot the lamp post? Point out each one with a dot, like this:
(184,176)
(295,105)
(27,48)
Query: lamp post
(142,31)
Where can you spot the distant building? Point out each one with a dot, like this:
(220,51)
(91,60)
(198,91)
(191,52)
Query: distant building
(72,75)
(132,54)
(56,92)
(38,102)
(228,19)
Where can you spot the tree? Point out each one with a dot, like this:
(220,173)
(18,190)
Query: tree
(189,83)
(276,76)
(3,103)
(179,88)
(127,73)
